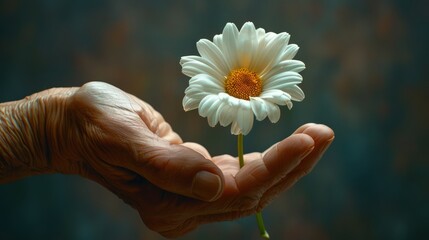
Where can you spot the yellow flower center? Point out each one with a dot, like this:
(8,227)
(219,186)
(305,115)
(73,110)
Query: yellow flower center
(243,83)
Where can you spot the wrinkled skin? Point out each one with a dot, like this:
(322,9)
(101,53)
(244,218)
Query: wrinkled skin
(121,142)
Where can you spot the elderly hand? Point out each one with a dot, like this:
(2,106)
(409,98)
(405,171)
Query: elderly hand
(121,142)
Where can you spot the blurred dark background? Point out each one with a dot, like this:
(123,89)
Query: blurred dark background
(366,77)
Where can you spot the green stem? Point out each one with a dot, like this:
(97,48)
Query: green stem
(240,150)
(259,219)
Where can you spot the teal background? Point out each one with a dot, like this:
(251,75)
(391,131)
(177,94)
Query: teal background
(366,77)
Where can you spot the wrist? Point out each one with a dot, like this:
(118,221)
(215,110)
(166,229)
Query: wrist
(23,151)
(26,129)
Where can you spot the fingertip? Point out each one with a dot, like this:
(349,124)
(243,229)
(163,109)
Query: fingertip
(322,136)
(182,170)
(320,133)
(207,186)
(208,180)
(292,149)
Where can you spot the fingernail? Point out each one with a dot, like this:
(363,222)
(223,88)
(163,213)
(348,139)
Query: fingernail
(206,186)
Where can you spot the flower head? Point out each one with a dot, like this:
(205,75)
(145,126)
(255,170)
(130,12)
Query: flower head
(241,74)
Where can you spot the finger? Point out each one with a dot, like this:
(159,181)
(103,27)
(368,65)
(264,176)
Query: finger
(156,123)
(180,170)
(323,137)
(198,148)
(259,173)
(165,132)
(258,176)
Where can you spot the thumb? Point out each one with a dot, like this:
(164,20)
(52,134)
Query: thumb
(181,170)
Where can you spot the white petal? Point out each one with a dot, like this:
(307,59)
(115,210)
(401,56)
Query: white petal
(270,54)
(289,104)
(193,68)
(247,44)
(260,32)
(289,52)
(269,36)
(295,92)
(190,103)
(198,95)
(217,40)
(229,40)
(202,85)
(259,108)
(285,66)
(210,51)
(260,58)
(276,96)
(293,65)
(207,82)
(235,129)
(224,96)
(226,114)
(213,116)
(195,92)
(273,112)
(204,108)
(282,80)
(186,59)
(244,117)
(259,51)
(232,101)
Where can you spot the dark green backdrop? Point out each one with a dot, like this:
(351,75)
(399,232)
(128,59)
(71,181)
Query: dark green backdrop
(366,77)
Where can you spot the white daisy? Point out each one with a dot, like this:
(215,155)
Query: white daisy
(242,74)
